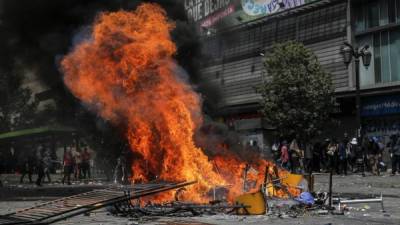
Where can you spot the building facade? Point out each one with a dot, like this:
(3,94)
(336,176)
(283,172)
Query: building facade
(235,44)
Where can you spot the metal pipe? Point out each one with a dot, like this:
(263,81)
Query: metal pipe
(367,200)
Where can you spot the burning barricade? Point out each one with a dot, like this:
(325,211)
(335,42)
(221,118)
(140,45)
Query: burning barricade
(126,73)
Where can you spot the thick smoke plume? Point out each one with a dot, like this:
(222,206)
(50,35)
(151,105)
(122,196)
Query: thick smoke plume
(35,34)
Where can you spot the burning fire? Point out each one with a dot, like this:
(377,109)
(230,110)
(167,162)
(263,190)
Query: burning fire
(127,73)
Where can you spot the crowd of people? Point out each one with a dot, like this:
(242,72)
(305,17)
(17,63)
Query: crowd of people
(41,162)
(356,155)
(38,161)
(76,163)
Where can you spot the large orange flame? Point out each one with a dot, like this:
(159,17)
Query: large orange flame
(126,72)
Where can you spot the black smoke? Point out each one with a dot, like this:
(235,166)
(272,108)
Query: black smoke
(35,34)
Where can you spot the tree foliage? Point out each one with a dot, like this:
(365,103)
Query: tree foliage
(298,93)
(17,107)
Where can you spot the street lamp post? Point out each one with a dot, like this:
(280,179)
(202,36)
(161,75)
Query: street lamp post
(348,52)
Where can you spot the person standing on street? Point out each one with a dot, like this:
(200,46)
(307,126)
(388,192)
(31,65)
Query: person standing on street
(68,166)
(26,163)
(332,153)
(284,155)
(343,158)
(295,156)
(47,165)
(373,155)
(395,154)
(85,163)
(308,158)
(77,156)
(39,166)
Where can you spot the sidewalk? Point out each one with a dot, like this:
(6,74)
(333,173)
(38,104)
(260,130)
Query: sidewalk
(12,190)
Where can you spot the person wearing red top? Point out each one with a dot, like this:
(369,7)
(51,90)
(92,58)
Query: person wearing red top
(284,155)
(68,166)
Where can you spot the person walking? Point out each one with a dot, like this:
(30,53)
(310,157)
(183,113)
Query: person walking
(373,155)
(27,166)
(68,166)
(77,157)
(47,165)
(395,154)
(294,157)
(332,153)
(351,159)
(343,154)
(308,158)
(86,163)
(284,158)
(39,166)
(324,159)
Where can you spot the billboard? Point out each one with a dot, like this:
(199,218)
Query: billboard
(380,105)
(201,9)
(266,7)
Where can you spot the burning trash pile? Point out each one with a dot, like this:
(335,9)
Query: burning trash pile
(126,72)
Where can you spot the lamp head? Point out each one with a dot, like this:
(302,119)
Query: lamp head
(366,56)
(347,53)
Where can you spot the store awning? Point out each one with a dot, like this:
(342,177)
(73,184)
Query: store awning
(34,132)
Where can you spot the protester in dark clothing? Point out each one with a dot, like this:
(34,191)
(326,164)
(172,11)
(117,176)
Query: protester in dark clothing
(343,158)
(120,170)
(373,155)
(47,165)
(351,160)
(395,154)
(39,166)
(276,152)
(85,163)
(324,159)
(332,153)
(294,157)
(316,164)
(27,166)
(68,166)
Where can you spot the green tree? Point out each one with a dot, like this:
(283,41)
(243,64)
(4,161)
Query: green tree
(17,107)
(298,93)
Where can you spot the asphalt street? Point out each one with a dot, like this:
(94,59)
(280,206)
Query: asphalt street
(353,186)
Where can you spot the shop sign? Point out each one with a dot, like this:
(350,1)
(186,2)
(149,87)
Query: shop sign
(266,7)
(201,9)
(211,20)
(380,105)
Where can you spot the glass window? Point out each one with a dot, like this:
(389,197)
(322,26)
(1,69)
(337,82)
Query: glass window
(383,15)
(385,59)
(373,15)
(398,10)
(395,55)
(377,57)
(359,19)
(392,11)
